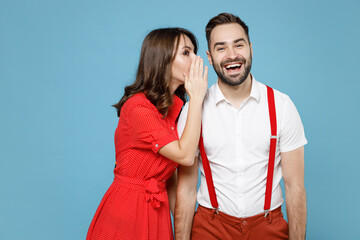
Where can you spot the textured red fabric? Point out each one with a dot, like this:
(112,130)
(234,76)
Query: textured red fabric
(136,205)
(272,151)
(208,174)
(210,226)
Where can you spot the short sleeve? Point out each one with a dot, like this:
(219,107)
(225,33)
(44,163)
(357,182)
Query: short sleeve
(292,134)
(147,128)
(182,121)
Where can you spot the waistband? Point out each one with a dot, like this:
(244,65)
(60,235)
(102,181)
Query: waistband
(253,220)
(155,191)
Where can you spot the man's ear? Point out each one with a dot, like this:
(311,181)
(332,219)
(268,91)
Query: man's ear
(209,57)
(251,51)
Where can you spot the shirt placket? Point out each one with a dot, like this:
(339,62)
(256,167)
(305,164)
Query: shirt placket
(239,161)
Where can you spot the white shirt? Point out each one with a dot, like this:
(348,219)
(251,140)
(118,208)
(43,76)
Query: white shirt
(237,142)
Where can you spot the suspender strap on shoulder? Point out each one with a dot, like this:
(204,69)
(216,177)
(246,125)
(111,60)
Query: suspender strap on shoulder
(208,175)
(272,151)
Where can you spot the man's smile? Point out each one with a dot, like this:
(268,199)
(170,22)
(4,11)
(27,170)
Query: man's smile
(233,68)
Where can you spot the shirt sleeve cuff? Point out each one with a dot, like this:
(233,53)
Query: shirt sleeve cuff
(156,145)
(293,146)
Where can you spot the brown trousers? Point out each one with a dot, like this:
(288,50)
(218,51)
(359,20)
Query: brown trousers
(208,225)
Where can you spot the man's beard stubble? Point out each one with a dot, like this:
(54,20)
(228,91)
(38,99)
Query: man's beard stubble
(239,79)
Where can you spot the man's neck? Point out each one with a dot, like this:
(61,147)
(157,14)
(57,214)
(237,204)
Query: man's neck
(236,94)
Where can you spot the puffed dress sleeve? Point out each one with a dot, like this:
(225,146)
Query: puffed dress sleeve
(148,129)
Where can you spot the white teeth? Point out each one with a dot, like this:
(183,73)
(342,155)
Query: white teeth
(233,65)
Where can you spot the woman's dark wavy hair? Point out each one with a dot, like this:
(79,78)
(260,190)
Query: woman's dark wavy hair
(153,75)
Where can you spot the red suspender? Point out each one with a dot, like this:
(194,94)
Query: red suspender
(208,175)
(273,140)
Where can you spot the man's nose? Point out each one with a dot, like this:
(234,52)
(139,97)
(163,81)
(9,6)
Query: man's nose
(232,53)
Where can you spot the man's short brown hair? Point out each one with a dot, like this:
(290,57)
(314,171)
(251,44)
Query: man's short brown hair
(224,18)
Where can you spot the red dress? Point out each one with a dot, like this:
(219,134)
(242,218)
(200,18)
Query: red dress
(136,205)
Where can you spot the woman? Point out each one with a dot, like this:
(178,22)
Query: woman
(148,149)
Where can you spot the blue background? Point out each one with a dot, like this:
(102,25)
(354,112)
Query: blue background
(63,63)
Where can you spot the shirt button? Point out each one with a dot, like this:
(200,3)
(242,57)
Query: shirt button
(244,223)
(172,128)
(156,145)
(163,180)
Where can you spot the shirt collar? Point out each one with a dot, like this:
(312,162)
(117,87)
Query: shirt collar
(255,93)
(218,95)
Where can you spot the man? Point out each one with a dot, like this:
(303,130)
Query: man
(236,133)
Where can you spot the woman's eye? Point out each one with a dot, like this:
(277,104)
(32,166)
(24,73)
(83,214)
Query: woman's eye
(186,53)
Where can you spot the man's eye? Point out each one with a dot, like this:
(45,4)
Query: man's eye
(239,45)
(220,49)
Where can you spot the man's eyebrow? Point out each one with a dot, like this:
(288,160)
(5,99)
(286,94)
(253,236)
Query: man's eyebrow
(235,41)
(240,40)
(219,43)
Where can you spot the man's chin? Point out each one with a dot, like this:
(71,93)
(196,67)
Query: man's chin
(232,81)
